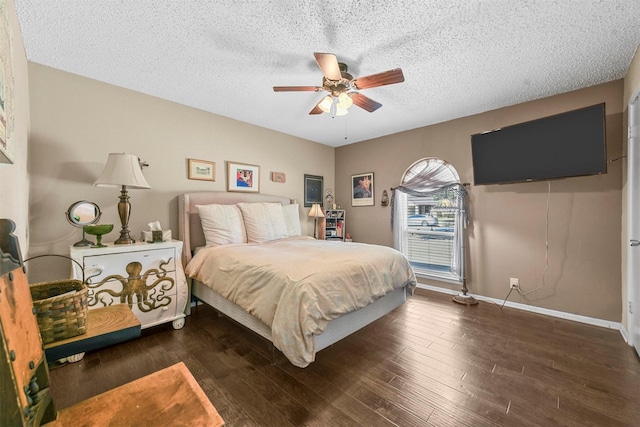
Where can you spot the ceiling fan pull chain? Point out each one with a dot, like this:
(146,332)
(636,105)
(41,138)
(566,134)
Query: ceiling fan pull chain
(346,136)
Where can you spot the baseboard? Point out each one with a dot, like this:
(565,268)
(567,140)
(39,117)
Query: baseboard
(625,334)
(531,308)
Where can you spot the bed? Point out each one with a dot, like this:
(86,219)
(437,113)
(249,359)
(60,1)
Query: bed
(262,282)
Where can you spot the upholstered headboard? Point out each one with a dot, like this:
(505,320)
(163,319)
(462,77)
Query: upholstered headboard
(190,228)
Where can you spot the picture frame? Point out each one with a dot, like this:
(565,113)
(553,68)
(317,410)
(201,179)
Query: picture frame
(280,177)
(362,189)
(313,190)
(243,178)
(202,170)
(7,142)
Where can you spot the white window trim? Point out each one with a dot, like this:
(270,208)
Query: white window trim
(400,229)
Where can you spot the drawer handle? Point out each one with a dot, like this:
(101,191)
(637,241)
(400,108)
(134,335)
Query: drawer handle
(93,272)
(165,308)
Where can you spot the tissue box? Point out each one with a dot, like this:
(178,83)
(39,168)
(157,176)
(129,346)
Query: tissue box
(147,236)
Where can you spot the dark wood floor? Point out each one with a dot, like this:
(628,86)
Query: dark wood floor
(429,363)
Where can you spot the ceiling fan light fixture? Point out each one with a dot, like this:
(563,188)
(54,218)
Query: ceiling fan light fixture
(338,82)
(325,104)
(340,110)
(344,100)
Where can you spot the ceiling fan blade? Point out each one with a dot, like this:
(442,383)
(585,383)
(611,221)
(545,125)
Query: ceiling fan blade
(365,102)
(328,63)
(296,88)
(387,78)
(316,109)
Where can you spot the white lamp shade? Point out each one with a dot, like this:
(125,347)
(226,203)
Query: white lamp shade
(316,211)
(325,104)
(340,110)
(122,169)
(345,100)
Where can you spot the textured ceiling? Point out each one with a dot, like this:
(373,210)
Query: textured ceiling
(459,57)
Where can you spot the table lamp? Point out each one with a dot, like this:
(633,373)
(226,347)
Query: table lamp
(315,212)
(123,170)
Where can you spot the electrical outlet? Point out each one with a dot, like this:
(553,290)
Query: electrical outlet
(514,283)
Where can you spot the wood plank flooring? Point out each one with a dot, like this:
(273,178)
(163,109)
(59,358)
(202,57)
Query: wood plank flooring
(430,362)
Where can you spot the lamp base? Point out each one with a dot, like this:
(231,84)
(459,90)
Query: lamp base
(124,242)
(465,299)
(124,210)
(125,238)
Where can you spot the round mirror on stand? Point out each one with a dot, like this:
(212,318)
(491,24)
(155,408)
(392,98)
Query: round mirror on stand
(83,213)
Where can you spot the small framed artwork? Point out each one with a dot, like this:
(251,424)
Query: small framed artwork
(243,178)
(362,185)
(202,170)
(280,177)
(313,191)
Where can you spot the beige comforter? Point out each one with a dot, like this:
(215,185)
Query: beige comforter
(297,285)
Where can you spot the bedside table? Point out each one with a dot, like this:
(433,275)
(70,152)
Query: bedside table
(146,276)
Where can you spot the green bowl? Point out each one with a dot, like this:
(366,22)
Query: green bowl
(98,230)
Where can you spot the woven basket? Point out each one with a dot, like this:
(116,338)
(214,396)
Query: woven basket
(61,309)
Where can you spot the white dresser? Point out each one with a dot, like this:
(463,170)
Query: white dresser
(146,276)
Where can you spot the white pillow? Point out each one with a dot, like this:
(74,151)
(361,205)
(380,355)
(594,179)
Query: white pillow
(292,220)
(222,224)
(263,221)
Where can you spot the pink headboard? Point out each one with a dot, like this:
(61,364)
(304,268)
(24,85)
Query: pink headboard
(189,226)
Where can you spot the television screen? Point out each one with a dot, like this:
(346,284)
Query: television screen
(560,146)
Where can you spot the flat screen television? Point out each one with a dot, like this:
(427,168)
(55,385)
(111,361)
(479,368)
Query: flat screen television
(560,146)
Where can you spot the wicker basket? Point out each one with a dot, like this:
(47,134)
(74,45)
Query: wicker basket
(61,308)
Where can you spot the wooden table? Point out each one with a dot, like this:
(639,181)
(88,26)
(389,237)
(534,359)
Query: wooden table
(169,397)
(105,326)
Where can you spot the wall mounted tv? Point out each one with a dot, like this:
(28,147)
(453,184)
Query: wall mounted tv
(560,146)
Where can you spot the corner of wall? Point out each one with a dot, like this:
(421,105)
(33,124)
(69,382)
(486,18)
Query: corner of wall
(14,178)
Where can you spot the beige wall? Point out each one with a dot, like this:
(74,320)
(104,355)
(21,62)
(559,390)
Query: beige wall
(14,178)
(507,234)
(76,122)
(631,86)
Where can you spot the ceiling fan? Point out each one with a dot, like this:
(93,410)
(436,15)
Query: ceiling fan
(341,86)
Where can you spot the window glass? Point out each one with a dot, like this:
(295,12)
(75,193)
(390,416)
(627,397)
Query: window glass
(431,220)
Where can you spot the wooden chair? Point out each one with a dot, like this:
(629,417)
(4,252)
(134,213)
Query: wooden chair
(167,397)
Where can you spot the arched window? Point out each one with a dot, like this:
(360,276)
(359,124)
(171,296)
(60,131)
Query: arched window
(429,218)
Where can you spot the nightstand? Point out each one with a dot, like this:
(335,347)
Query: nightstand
(146,276)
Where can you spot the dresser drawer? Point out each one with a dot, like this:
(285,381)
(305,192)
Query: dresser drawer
(99,266)
(141,293)
(159,315)
(147,277)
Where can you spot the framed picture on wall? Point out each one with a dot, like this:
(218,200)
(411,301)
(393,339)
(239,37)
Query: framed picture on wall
(202,170)
(313,190)
(7,143)
(362,185)
(280,177)
(243,178)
